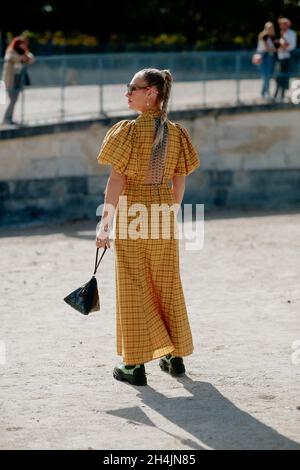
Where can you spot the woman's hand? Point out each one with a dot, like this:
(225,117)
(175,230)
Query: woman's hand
(102,239)
(27,58)
(30,58)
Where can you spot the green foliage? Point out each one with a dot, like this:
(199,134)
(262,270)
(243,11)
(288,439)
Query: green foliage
(170,39)
(137,26)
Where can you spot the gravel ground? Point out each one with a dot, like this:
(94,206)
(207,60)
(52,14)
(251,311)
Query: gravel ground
(242,387)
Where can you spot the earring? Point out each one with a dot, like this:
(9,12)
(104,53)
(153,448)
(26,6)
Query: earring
(147,103)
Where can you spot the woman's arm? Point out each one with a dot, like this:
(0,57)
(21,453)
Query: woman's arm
(178,187)
(114,187)
(29,57)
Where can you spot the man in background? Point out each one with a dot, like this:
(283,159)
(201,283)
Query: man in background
(287,44)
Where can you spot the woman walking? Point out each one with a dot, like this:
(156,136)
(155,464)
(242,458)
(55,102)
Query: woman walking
(145,154)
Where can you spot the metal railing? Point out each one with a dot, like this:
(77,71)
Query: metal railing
(73,86)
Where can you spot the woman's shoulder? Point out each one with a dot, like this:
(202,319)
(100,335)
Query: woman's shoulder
(188,160)
(172,125)
(181,130)
(123,123)
(121,126)
(10,54)
(117,148)
(120,130)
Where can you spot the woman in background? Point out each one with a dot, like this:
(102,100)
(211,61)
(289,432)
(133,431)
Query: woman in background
(17,56)
(266,48)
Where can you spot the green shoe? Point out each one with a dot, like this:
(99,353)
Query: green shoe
(172,364)
(135,375)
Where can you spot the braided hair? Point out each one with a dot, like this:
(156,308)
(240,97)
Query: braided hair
(162,80)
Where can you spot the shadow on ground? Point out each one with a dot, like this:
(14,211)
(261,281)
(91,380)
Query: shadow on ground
(209,417)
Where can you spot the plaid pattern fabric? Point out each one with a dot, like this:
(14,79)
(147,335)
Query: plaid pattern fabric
(127,147)
(151,314)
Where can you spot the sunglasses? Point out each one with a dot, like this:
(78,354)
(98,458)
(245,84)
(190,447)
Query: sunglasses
(131,88)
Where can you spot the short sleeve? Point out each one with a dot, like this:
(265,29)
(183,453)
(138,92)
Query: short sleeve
(117,148)
(188,160)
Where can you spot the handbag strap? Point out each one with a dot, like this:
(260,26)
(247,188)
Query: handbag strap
(96,261)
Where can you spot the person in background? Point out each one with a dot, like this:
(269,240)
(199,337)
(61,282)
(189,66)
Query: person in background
(287,44)
(266,49)
(17,57)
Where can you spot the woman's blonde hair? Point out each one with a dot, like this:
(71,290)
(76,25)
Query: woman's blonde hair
(268,25)
(162,80)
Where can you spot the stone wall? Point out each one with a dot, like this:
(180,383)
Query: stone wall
(248,160)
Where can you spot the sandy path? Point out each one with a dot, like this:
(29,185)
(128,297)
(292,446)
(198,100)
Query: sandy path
(242,389)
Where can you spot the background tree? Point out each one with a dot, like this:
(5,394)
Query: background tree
(201,24)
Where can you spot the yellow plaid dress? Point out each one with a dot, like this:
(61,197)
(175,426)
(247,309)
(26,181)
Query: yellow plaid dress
(151,314)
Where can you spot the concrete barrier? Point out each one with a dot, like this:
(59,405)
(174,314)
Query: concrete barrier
(249,159)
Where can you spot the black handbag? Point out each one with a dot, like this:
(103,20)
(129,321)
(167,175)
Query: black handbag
(85,299)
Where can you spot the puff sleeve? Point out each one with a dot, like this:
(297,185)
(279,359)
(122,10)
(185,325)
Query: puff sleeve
(188,160)
(117,148)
